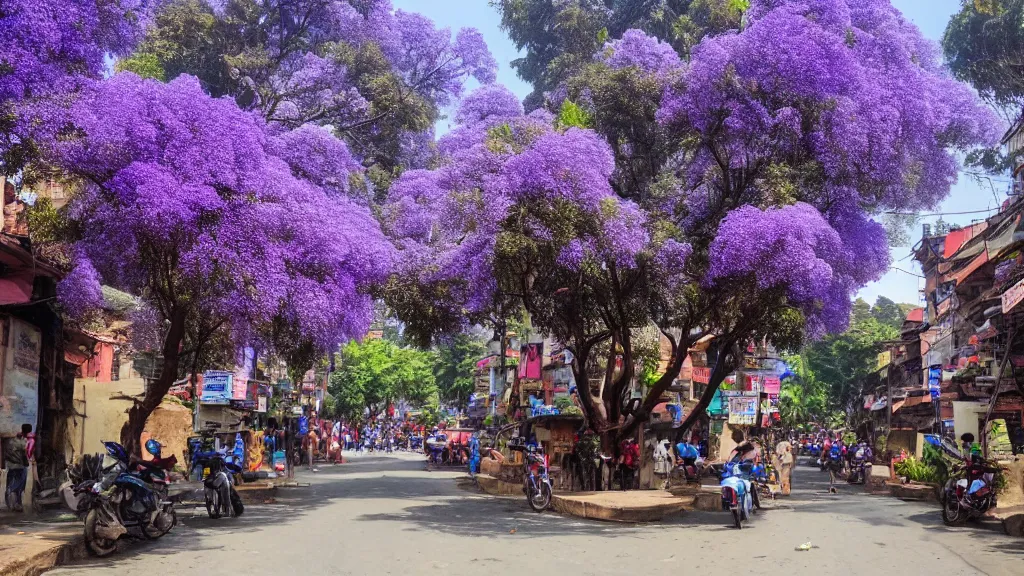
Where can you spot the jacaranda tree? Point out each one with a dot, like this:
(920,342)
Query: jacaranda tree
(377,76)
(186,203)
(729,190)
(47,48)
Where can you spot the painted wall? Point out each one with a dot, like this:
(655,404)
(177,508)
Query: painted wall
(102,410)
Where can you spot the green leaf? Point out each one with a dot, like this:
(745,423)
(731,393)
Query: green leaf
(572,115)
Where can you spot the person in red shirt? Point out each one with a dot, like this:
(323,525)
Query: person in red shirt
(629,461)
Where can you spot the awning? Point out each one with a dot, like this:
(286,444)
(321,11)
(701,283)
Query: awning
(965,272)
(16,288)
(956,238)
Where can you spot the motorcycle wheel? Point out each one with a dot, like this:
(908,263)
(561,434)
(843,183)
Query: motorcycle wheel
(98,547)
(737,521)
(169,519)
(757,499)
(212,506)
(236,502)
(540,498)
(952,515)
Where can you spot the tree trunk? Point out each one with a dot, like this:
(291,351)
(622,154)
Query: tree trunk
(131,432)
(718,374)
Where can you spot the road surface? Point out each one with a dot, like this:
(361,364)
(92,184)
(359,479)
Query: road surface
(379,515)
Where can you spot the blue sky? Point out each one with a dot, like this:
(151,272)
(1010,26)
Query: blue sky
(930,16)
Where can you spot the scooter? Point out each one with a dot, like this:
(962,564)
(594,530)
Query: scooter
(123,502)
(737,494)
(536,482)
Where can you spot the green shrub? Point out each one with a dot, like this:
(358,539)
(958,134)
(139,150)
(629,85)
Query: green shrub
(917,471)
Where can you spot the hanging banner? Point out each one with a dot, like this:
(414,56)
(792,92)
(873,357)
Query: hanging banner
(19,392)
(935,381)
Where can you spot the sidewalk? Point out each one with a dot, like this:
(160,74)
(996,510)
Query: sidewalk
(31,545)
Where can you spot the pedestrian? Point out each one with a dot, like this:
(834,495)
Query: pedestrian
(784,464)
(16,461)
(628,462)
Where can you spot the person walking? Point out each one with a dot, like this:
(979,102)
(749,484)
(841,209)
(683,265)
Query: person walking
(16,461)
(784,464)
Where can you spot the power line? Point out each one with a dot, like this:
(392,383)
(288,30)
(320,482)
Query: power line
(942,213)
(905,272)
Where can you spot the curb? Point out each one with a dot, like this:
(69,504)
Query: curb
(58,555)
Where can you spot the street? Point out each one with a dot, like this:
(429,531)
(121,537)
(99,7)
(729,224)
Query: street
(387,515)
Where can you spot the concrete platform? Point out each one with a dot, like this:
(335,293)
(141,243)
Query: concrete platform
(632,506)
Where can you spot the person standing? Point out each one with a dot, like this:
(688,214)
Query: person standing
(16,461)
(784,464)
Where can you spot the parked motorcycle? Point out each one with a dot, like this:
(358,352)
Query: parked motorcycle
(970,490)
(217,471)
(692,464)
(127,499)
(536,482)
(737,493)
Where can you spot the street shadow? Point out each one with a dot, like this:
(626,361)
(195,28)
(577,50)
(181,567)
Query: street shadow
(495,517)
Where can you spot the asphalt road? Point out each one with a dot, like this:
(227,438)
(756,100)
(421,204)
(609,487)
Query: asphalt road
(387,515)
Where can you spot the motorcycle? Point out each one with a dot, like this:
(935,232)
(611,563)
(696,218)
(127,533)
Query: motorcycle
(127,500)
(969,492)
(814,451)
(858,464)
(692,464)
(436,447)
(536,482)
(737,493)
(217,471)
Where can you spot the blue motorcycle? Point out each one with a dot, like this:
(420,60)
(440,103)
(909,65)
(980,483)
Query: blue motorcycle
(127,500)
(738,493)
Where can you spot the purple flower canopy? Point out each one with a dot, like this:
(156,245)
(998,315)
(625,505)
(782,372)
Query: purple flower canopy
(48,47)
(498,161)
(186,189)
(847,87)
(846,90)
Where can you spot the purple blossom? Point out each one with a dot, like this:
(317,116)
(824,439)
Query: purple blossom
(178,178)
(80,292)
(641,51)
(793,248)
(488,101)
(147,328)
(316,155)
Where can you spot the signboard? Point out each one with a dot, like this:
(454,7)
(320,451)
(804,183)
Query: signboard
(742,410)
(374,335)
(19,391)
(702,375)
(1013,296)
(772,385)
(217,387)
(261,404)
(935,381)
(884,359)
